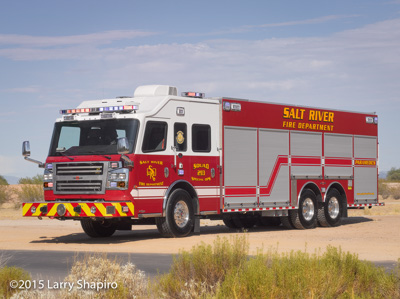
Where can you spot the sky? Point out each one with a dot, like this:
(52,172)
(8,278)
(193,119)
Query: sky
(334,54)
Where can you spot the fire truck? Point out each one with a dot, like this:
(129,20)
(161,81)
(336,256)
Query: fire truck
(169,160)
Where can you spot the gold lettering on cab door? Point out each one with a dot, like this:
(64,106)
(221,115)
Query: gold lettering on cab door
(308,119)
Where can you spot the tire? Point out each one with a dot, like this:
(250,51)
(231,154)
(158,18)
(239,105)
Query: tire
(160,226)
(179,218)
(286,222)
(270,221)
(244,221)
(228,221)
(305,217)
(330,211)
(98,229)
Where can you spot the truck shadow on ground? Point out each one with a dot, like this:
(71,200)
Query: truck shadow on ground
(140,233)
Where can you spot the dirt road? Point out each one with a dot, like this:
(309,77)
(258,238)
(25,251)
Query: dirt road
(372,237)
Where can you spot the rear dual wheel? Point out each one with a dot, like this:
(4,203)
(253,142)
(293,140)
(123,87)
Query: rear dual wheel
(330,212)
(305,217)
(240,221)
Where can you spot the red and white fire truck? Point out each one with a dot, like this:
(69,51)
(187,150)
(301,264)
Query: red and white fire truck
(159,158)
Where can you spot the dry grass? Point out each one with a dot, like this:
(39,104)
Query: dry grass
(14,195)
(97,277)
(207,272)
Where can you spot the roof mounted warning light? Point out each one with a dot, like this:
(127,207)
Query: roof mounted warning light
(97,110)
(192,94)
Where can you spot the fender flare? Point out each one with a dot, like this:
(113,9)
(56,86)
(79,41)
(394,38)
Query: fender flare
(185,185)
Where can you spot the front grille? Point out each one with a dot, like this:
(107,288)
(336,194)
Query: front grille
(79,186)
(80,178)
(80,169)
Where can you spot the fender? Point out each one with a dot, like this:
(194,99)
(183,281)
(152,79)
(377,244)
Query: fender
(186,186)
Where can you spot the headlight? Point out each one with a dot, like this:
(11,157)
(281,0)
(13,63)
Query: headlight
(118,178)
(48,177)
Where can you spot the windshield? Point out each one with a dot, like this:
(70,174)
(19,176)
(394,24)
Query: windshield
(94,137)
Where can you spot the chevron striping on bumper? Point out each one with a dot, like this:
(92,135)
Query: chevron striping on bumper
(34,209)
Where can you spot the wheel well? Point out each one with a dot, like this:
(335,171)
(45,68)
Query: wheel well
(188,188)
(314,188)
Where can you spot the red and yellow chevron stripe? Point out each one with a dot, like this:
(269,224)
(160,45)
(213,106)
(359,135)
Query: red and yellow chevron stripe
(78,209)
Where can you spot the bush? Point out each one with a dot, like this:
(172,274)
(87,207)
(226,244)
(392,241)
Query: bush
(37,179)
(3,181)
(393,174)
(207,272)
(202,270)
(29,193)
(131,282)
(97,270)
(301,275)
(384,189)
(395,191)
(4,194)
(8,274)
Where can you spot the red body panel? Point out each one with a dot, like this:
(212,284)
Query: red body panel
(276,116)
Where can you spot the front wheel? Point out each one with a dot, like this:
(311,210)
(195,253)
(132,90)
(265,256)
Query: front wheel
(179,218)
(98,229)
(306,215)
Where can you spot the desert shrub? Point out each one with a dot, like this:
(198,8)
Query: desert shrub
(37,179)
(4,194)
(3,181)
(8,274)
(207,272)
(395,192)
(393,174)
(97,270)
(384,189)
(29,193)
(201,270)
(130,282)
(335,274)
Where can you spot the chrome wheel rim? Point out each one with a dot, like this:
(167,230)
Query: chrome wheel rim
(333,207)
(308,209)
(181,214)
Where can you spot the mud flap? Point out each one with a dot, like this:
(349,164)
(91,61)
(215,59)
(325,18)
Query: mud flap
(196,228)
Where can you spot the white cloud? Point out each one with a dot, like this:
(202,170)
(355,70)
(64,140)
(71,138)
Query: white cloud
(352,70)
(248,28)
(99,38)
(27,89)
(319,20)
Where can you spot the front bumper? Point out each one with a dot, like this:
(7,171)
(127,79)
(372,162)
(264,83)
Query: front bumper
(75,210)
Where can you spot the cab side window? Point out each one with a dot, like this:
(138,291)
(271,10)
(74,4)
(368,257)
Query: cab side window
(201,138)
(180,137)
(155,137)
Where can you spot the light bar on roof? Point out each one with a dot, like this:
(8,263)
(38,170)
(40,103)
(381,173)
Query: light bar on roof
(193,94)
(124,108)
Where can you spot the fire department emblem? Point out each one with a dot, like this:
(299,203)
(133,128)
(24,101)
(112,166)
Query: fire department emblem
(152,173)
(179,137)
